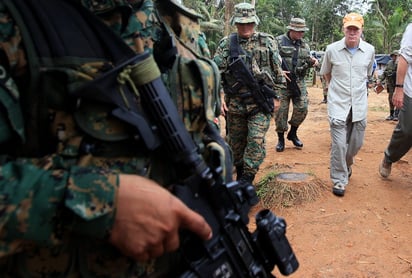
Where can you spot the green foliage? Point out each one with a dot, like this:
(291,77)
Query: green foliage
(385,20)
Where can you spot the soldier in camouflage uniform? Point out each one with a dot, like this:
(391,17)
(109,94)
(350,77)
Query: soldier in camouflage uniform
(389,76)
(246,122)
(295,53)
(80,194)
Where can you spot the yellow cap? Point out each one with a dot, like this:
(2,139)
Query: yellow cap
(353,19)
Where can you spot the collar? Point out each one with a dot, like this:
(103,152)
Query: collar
(342,45)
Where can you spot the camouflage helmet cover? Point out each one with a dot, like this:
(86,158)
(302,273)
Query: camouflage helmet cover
(244,13)
(105,6)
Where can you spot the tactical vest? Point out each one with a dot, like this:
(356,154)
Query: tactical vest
(295,55)
(258,62)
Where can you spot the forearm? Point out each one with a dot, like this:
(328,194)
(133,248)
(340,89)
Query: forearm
(401,70)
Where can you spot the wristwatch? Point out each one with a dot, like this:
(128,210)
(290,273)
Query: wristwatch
(399,85)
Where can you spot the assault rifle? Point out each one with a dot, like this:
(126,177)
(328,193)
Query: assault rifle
(291,83)
(234,251)
(261,93)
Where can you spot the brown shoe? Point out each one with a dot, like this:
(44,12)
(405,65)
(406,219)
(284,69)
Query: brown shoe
(385,168)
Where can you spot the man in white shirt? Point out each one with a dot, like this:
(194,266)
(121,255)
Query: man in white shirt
(401,141)
(347,66)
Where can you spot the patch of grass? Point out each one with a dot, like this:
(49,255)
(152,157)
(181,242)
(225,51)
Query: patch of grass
(378,108)
(274,193)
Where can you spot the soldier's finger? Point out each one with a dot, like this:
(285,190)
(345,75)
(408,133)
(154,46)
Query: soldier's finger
(196,223)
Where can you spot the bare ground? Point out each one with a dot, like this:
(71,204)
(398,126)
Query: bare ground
(367,233)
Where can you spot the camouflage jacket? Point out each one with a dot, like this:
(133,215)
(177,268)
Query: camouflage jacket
(58,202)
(389,74)
(261,56)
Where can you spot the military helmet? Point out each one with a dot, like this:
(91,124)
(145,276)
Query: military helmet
(244,13)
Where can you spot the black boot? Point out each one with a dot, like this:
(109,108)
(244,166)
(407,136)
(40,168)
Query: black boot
(396,115)
(280,147)
(239,172)
(390,117)
(292,136)
(325,99)
(247,178)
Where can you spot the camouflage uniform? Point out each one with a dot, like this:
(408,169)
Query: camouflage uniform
(59,197)
(296,54)
(389,75)
(247,124)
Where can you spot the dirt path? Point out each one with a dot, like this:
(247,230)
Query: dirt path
(367,233)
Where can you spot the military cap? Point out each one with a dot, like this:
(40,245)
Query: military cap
(297,24)
(244,13)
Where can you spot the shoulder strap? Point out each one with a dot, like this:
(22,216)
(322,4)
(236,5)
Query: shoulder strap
(62,32)
(84,35)
(234,48)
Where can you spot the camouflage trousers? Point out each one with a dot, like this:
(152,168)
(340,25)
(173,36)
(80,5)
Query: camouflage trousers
(247,128)
(85,258)
(390,89)
(300,109)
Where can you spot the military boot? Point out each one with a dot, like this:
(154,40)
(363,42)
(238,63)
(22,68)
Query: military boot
(390,117)
(247,178)
(239,172)
(396,115)
(292,136)
(280,147)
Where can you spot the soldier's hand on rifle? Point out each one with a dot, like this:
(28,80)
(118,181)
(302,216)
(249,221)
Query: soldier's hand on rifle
(285,74)
(315,62)
(149,217)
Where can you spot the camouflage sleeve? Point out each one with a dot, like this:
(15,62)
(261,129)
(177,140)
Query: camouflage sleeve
(277,72)
(204,48)
(385,74)
(45,206)
(222,54)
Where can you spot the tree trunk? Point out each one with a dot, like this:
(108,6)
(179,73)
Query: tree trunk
(228,14)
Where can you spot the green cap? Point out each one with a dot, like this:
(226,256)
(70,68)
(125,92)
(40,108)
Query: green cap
(244,13)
